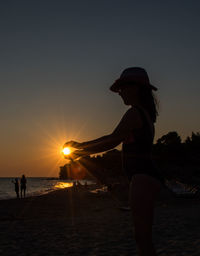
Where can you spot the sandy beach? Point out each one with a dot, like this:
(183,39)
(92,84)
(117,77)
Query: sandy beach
(68,222)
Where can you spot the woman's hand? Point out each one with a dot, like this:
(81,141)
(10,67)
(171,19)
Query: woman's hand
(72,144)
(75,154)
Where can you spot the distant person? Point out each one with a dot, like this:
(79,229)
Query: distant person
(136,132)
(23,185)
(79,184)
(74,185)
(16,183)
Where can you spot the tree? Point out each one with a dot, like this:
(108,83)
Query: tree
(194,141)
(170,139)
(63,173)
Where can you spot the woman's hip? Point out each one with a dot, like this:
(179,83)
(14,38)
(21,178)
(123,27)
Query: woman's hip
(144,189)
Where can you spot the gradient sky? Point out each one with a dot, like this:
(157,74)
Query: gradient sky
(58,59)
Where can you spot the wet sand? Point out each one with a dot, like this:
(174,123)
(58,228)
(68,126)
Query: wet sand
(68,222)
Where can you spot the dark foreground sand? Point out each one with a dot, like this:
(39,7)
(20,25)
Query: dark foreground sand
(68,222)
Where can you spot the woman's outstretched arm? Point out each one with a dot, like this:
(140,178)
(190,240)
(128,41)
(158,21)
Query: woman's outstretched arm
(129,121)
(101,144)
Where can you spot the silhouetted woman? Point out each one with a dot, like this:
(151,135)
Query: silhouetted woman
(136,132)
(23,185)
(16,183)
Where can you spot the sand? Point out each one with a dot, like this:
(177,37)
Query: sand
(68,222)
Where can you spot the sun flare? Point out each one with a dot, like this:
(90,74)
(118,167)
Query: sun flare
(66,151)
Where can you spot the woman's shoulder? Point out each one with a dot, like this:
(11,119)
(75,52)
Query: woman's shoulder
(133,116)
(139,111)
(133,112)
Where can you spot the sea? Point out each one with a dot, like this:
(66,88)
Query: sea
(35,186)
(42,185)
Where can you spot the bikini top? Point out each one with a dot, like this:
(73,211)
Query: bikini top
(139,142)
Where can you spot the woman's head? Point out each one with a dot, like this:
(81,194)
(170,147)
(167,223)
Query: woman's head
(135,89)
(129,93)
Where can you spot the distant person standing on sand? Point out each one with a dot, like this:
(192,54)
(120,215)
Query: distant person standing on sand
(16,182)
(23,185)
(136,132)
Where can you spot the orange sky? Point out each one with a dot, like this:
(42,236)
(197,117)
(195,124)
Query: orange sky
(59,60)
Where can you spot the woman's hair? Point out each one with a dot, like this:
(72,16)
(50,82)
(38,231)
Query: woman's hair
(149,102)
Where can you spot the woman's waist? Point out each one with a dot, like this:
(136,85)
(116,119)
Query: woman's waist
(139,161)
(148,169)
(137,151)
(137,155)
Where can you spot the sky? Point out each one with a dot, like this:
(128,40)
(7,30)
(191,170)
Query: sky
(59,58)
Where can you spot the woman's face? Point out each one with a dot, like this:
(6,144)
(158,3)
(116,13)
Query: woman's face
(129,94)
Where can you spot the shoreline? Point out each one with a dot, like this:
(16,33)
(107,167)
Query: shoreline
(46,192)
(35,189)
(76,222)
(33,194)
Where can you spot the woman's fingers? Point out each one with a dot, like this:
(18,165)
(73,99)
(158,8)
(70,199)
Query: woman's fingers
(74,155)
(72,143)
(69,143)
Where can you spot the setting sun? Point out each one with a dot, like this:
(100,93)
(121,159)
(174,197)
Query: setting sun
(66,151)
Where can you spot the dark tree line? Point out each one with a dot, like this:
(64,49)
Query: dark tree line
(177,159)
(174,159)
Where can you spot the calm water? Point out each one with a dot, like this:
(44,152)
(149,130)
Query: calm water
(35,186)
(39,186)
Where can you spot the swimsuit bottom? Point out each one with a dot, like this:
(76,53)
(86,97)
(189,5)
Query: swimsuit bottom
(144,168)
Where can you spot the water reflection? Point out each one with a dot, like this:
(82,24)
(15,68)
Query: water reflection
(60,185)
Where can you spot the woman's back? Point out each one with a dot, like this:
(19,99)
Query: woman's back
(137,149)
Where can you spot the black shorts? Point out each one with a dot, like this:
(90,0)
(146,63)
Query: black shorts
(151,172)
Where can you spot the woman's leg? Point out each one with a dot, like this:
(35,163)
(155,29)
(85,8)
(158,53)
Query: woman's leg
(143,193)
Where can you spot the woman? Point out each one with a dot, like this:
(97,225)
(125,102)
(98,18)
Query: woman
(136,132)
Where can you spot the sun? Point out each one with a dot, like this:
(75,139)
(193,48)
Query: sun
(66,151)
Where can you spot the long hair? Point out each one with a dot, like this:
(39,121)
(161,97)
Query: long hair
(149,102)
